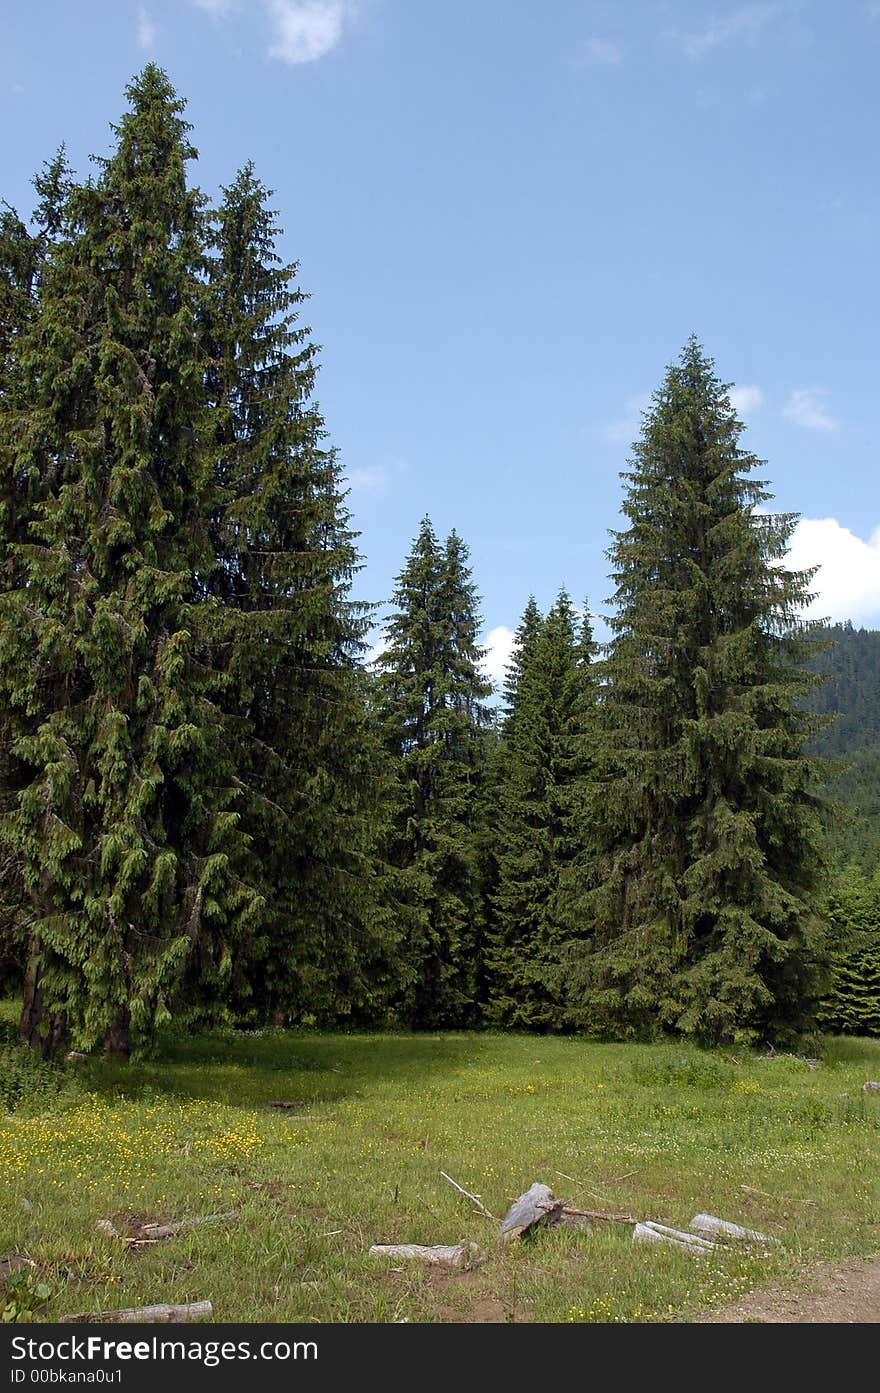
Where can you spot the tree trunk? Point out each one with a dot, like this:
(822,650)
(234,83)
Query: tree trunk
(35,1029)
(116,1042)
(32,1007)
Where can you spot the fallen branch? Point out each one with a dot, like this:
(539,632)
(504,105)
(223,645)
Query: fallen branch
(785,1054)
(783,1199)
(460,1256)
(574,1180)
(474,1198)
(150,1232)
(194,1310)
(600,1215)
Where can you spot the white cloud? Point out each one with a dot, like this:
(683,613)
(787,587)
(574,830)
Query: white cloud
(145,28)
(374,479)
(847,584)
(376,646)
(300,30)
(805,407)
(303,30)
(602,53)
(218,9)
(746,22)
(498,644)
(745,399)
(627,426)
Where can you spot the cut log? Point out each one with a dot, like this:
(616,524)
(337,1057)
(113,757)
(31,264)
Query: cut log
(461,1256)
(173,1315)
(651,1232)
(537,1206)
(709,1225)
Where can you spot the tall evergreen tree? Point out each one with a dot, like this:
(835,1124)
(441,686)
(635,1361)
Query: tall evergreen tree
(18,255)
(126,831)
(431,697)
(489,847)
(287,638)
(705,918)
(540,826)
(524,640)
(852,1002)
(24,252)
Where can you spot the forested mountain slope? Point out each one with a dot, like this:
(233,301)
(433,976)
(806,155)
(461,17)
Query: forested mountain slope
(852,690)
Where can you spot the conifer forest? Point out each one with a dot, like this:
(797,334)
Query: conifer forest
(215,810)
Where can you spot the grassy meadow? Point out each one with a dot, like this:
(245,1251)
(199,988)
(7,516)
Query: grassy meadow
(659,1131)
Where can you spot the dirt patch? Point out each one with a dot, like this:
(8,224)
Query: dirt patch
(452,1297)
(474,1304)
(128,1223)
(844,1293)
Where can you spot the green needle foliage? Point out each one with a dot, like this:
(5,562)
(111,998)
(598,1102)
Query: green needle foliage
(287,636)
(704,917)
(541,829)
(852,1003)
(430,702)
(209,810)
(125,831)
(19,258)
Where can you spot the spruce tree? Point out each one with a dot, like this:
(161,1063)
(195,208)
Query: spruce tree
(489,803)
(851,1003)
(524,641)
(540,828)
(705,920)
(126,830)
(287,638)
(18,258)
(431,706)
(24,252)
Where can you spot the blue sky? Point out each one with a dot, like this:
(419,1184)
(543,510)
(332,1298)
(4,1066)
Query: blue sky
(510,216)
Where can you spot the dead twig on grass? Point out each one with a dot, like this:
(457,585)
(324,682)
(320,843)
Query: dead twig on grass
(475,1199)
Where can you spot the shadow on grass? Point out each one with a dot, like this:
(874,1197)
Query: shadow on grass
(254,1068)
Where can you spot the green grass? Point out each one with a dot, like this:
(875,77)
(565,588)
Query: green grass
(659,1131)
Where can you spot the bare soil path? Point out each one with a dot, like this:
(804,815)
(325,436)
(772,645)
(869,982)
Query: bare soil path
(832,1293)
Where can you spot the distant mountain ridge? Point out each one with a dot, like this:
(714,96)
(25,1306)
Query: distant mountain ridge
(852,688)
